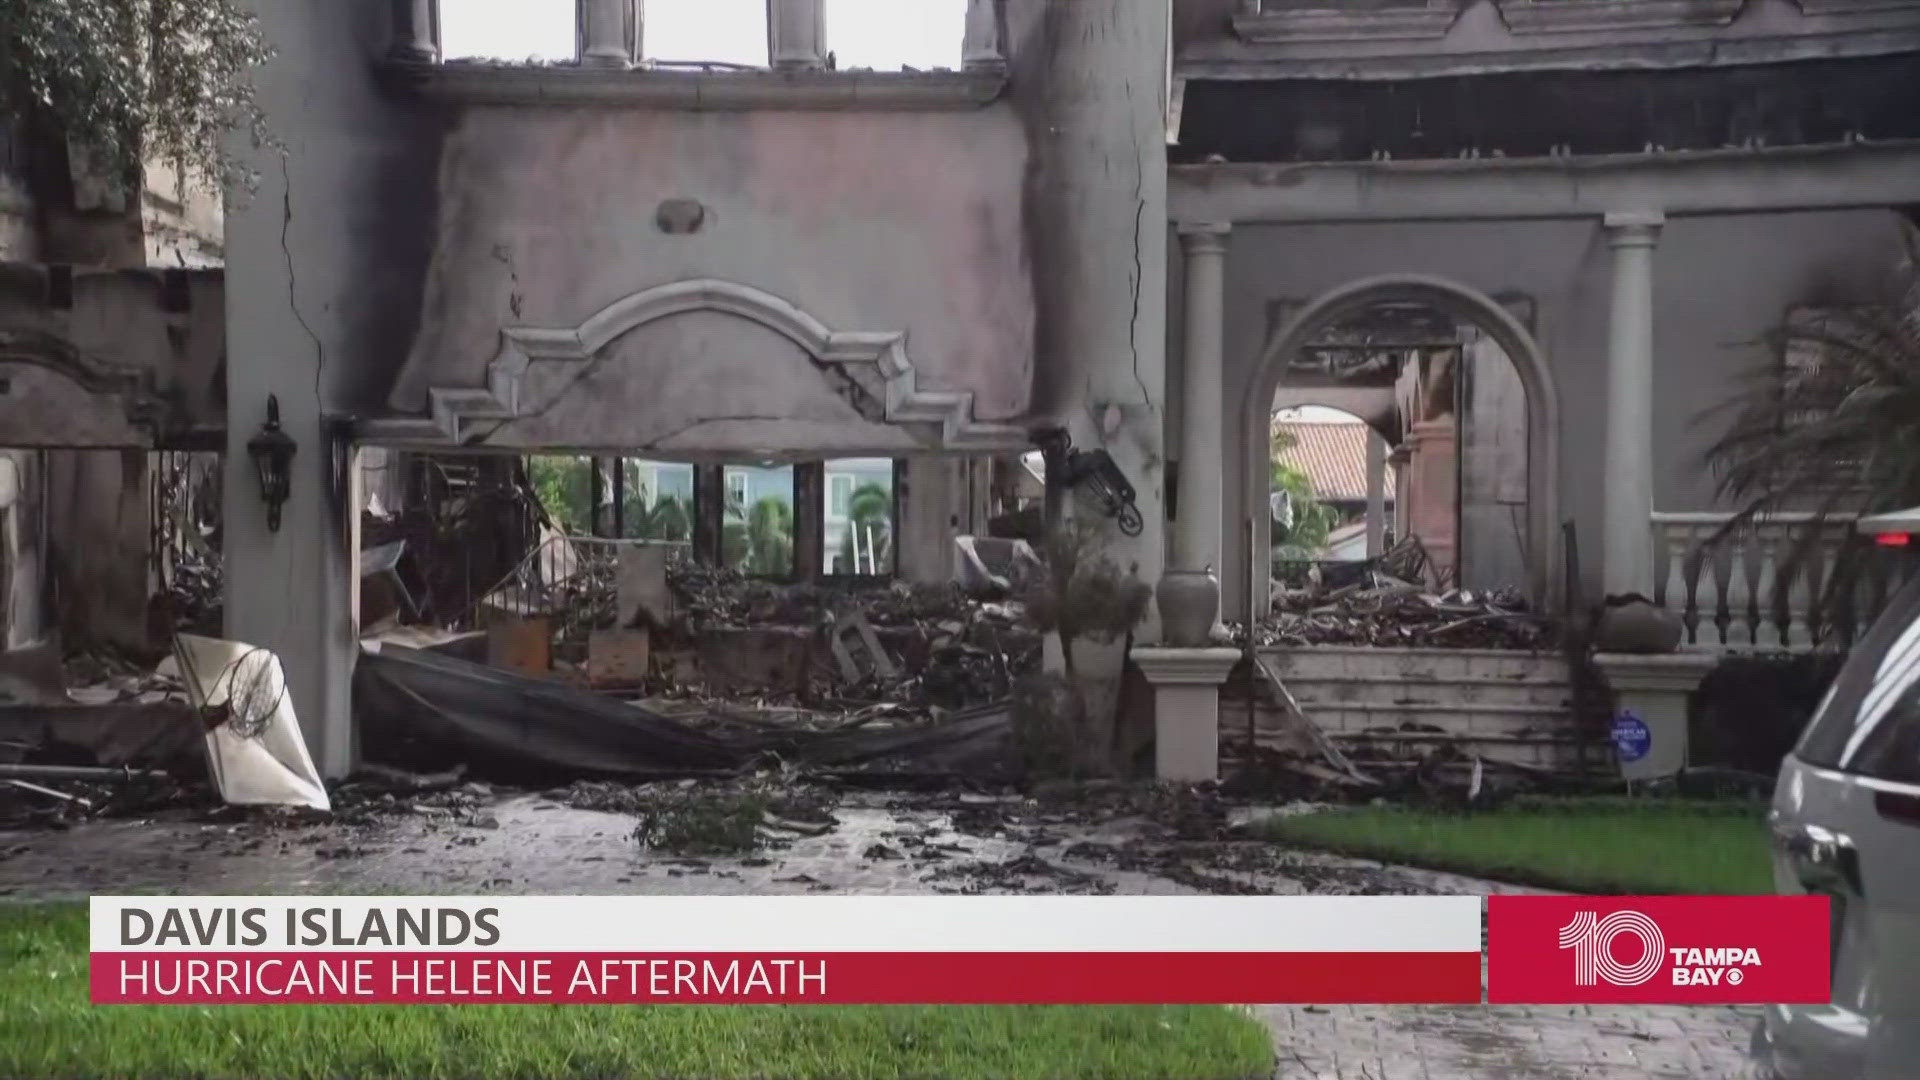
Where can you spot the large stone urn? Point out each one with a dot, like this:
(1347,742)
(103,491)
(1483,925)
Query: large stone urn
(1634,624)
(1189,602)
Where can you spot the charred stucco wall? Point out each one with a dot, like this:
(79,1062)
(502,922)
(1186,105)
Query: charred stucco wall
(325,263)
(99,533)
(19,234)
(867,221)
(110,358)
(23,548)
(1721,284)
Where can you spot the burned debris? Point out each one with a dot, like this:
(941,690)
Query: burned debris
(1386,611)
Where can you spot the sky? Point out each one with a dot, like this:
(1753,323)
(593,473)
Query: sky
(1314,413)
(880,34)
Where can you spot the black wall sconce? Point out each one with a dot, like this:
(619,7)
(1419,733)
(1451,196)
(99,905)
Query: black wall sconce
(272,453)
(1096,473)
(1093,472)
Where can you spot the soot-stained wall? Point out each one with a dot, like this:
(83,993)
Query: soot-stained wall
(866,221)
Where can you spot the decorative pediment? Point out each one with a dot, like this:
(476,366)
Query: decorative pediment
(871,369)
(145,412)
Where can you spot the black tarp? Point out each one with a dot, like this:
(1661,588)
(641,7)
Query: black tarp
(421,710)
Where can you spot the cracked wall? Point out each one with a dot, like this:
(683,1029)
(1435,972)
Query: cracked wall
(866,221)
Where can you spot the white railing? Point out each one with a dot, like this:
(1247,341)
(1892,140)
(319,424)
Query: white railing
(1729,589)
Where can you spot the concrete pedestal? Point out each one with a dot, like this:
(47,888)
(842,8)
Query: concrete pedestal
(1186,709)
(1649,725)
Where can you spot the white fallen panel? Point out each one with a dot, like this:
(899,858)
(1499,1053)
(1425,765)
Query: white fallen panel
(256,753)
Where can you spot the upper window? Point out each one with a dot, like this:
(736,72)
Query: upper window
(514,30)
(690,33)
(839,494)
(887,35)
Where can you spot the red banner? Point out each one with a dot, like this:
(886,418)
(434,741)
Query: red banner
(244,977)
(1658,949)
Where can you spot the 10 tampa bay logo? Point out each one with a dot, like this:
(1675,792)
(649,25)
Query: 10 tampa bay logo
(1592,939)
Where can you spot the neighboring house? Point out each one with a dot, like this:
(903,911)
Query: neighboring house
(1333,453)
(665,480)
(844,477)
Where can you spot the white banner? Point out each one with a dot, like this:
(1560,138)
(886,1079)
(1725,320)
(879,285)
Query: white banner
(837,924)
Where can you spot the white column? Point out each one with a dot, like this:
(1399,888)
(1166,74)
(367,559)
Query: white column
(797,34)
(1627,549)
(416,36)
(607,36)
(980,49)
(1196,535)
(1376,492)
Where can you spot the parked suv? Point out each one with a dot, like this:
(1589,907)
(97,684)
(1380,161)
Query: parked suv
(1846,823)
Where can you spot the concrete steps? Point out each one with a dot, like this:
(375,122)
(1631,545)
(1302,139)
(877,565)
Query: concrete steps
(1503,705)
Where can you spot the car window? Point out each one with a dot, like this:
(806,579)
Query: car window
(1872,711)
(1891,749)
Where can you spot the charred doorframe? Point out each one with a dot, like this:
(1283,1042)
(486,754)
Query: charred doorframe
(1466,304)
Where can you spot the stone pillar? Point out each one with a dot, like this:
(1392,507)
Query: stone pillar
(1626,553)
(980,50)
(416,32)
(1376,492)
(923,536)
(1196,537)
(289,591)
(1186,709)
(1651,692)
(1089,86)
(1401,458)
(607,33)
(797,34)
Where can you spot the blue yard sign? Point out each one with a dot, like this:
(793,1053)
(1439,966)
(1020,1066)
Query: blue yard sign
(1630,736)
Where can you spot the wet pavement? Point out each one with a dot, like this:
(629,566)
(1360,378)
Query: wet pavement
(536,843)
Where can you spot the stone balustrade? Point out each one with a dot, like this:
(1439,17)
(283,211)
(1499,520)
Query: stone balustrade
(1757,586)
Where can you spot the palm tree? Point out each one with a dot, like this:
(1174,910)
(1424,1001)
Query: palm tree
(770,535)
(1833,427)
(665,520)
(763,543)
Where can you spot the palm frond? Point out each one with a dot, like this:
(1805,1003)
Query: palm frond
(1835,435)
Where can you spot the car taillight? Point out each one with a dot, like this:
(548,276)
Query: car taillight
(1898,806)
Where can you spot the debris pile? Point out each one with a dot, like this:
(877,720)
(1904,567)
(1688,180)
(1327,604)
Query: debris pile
(192,599)
(1388,612)
(932,648)
(691,818)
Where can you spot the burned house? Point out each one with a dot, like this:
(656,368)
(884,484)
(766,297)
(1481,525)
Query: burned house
(1566,227)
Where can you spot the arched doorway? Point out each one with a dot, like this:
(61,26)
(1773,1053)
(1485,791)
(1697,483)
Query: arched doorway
(1459,303)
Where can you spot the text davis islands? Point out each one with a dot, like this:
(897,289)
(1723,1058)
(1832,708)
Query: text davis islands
(311,927)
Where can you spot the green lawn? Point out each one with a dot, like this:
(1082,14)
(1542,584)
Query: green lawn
(1600,845)
(48,1029)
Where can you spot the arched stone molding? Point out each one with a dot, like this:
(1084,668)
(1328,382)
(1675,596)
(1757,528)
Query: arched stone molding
(870,365)
(1463,303)
(141,403)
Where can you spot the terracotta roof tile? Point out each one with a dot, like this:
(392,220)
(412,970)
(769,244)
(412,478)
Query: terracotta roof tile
(1333,453)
